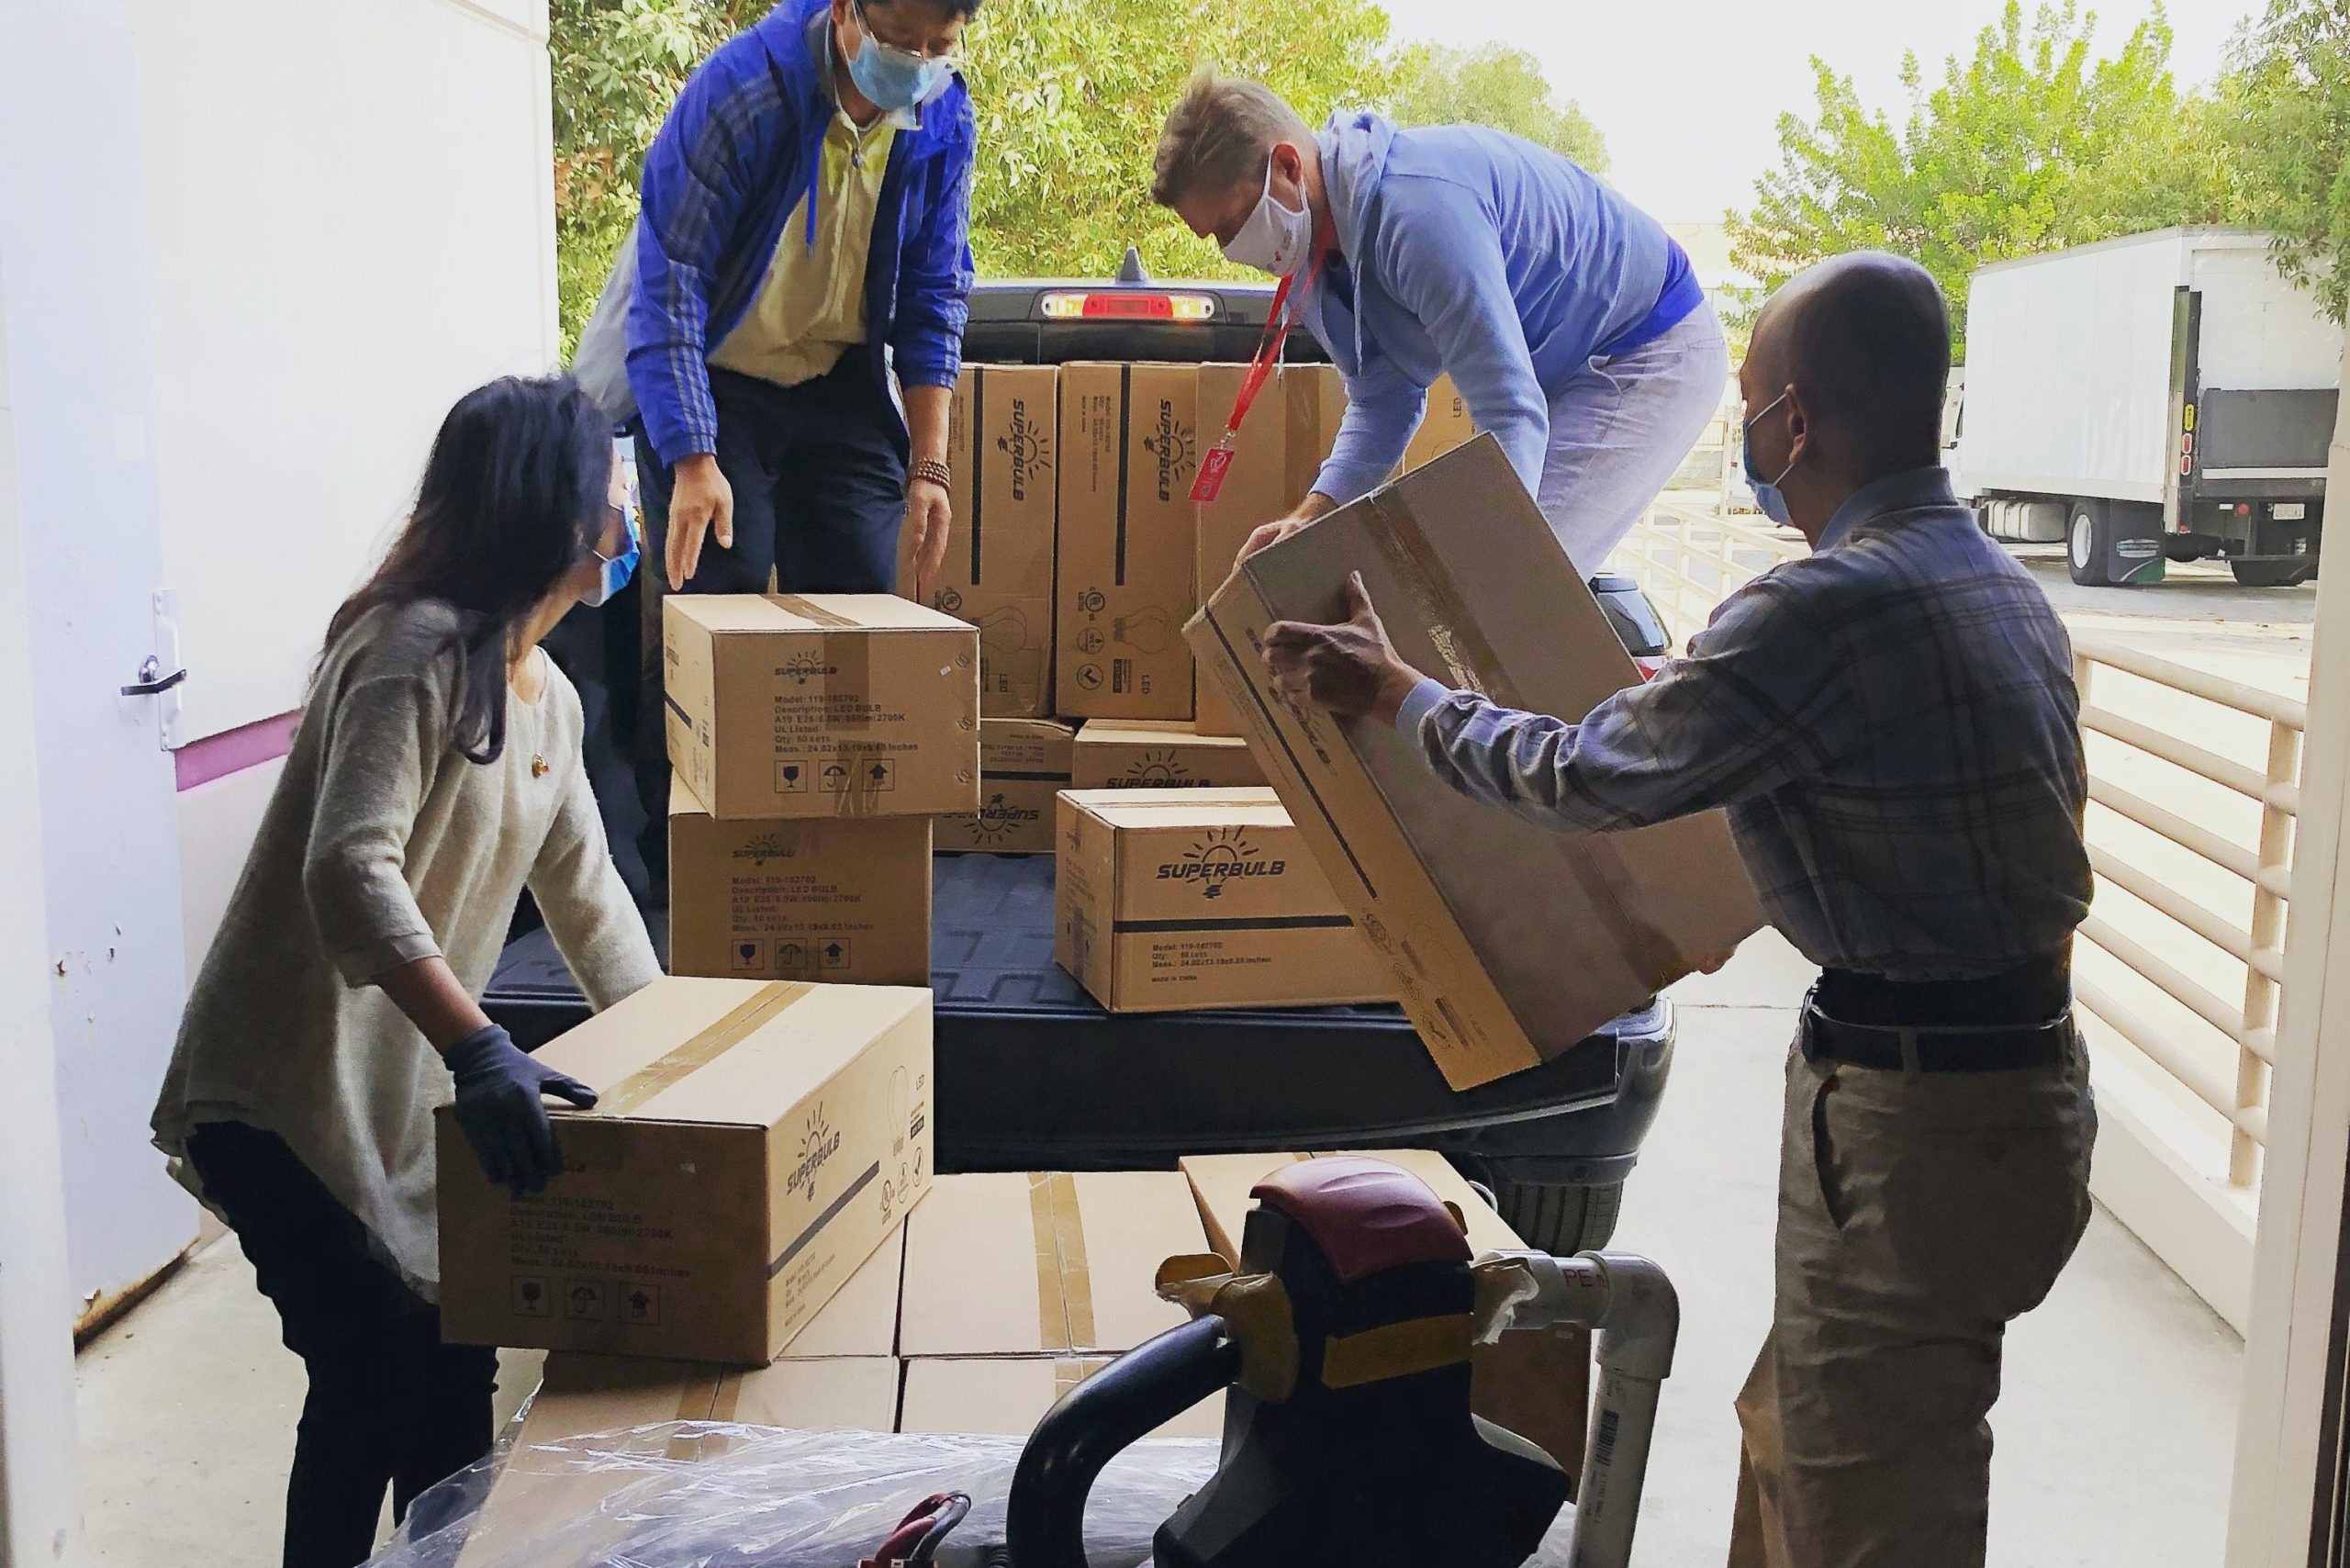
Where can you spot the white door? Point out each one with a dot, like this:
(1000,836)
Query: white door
(81,374)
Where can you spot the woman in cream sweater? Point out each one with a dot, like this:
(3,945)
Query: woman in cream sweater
(436,773)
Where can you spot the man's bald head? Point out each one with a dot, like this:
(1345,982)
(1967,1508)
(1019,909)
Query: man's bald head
(1864,340)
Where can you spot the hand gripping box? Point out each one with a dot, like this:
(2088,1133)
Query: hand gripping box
(1506,941)
(753,1145)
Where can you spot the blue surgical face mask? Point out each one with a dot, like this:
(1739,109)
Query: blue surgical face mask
(1767,497)
(895,80)
(616,569)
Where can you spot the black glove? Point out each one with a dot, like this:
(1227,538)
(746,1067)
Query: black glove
(498,1106)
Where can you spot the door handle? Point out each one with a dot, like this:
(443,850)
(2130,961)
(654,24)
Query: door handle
(153,681)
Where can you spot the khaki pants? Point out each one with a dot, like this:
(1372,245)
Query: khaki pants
(1919,1214)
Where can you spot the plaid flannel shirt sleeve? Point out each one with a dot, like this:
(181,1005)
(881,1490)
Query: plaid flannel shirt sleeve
(1762,699)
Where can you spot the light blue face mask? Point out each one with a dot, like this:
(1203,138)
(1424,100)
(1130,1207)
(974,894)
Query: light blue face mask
(894,80)
(1766,491)
(617,569)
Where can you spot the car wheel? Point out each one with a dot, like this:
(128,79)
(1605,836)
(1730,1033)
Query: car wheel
(2272,574)
(2085,543)
(1562,1221)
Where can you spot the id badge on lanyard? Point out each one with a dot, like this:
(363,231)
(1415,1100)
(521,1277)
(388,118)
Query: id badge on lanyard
(1218,461)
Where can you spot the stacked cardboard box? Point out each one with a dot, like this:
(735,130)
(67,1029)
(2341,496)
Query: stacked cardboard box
(815,737)
(989,1346)
(1177,900)
(1445,425)
(1129,450)
(1159,754)
(999,569)
(1023,762)
(845,900)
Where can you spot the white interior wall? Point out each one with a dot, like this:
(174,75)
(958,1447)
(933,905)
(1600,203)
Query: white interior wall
(352,218)
(39,1516)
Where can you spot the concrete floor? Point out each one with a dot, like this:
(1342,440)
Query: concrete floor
(2114,1436)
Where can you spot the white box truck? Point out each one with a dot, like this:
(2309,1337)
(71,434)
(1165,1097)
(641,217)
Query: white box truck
(2163,397)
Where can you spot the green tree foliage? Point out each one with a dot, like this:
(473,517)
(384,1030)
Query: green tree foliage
(2029,145)
(1494,86)
(617,67)
(1071,94)
(2288,96)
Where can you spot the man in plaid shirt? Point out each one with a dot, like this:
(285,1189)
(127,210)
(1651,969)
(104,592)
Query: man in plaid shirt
(1891,726)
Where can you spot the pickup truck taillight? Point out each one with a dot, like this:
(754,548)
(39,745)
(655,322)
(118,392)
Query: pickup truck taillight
(1125,305)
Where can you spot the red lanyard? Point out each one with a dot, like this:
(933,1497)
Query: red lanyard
(1218,461)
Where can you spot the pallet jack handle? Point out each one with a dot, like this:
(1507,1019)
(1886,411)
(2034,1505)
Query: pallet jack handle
(1099,1419)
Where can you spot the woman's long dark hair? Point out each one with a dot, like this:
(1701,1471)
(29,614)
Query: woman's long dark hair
(513,497)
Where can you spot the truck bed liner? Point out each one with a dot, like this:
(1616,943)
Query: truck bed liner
(1038,1074)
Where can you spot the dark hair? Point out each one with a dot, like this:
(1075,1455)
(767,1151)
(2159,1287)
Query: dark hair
(513,497)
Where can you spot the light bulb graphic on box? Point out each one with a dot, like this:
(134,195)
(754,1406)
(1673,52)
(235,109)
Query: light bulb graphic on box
(1152,631)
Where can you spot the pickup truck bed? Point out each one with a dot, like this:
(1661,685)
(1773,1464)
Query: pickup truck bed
(1033,1073)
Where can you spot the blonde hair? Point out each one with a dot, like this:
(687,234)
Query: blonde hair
(1220,132)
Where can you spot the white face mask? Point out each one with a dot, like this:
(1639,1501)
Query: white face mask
(1275,238)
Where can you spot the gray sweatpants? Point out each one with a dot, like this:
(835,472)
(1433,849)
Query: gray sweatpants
(1620,428)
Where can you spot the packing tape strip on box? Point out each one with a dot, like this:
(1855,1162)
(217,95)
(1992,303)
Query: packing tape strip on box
(1064,1284)
(1442,609)
(699,1052)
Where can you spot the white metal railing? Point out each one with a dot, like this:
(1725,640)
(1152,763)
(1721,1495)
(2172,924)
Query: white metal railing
(1689,557)
(2246,1019)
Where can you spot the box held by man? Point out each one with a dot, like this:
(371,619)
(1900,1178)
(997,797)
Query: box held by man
(1505,942)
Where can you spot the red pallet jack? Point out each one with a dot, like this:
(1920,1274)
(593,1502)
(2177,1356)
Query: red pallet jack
(1342,1343)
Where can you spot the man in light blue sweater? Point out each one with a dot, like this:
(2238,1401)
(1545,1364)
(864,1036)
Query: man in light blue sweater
(1569,320)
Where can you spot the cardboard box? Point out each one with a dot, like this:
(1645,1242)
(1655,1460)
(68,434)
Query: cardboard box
(1023,762)
(998,570)
(845,900)
(1507,943)
(1160,754)
(1129,450)
(1443,428)
(1536,1385)
(1171,899)
(1008,1396)
(754,1144)
(822,705)
(1317,399)
(538,1499)
(1254,491)
(861,1320)
(1045,1263)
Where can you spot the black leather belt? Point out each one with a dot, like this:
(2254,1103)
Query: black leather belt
(1937,1047)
